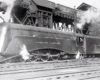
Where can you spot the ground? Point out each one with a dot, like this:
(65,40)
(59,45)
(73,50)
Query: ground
(85,69)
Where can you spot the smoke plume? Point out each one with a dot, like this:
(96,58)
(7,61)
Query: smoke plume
(92,15)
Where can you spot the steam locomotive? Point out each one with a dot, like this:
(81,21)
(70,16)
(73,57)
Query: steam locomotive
(47,30)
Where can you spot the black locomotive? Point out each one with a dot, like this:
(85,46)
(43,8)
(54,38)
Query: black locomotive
(47,30)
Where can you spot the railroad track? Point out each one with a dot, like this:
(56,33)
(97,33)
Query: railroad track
(82,73)
(44,68)
(85,75)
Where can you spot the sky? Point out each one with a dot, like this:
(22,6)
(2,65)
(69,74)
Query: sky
(76,3)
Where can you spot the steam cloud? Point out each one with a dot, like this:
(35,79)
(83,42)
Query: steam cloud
(92,15)
(24,53)
(78,55)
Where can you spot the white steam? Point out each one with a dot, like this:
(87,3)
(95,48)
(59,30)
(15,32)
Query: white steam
(78,55)
(10,4)
(92,15)
(24,53)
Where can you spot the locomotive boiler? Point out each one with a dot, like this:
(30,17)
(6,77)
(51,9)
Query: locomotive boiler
(46,31)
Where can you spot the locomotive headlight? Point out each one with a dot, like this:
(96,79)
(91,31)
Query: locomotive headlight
(3,31)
